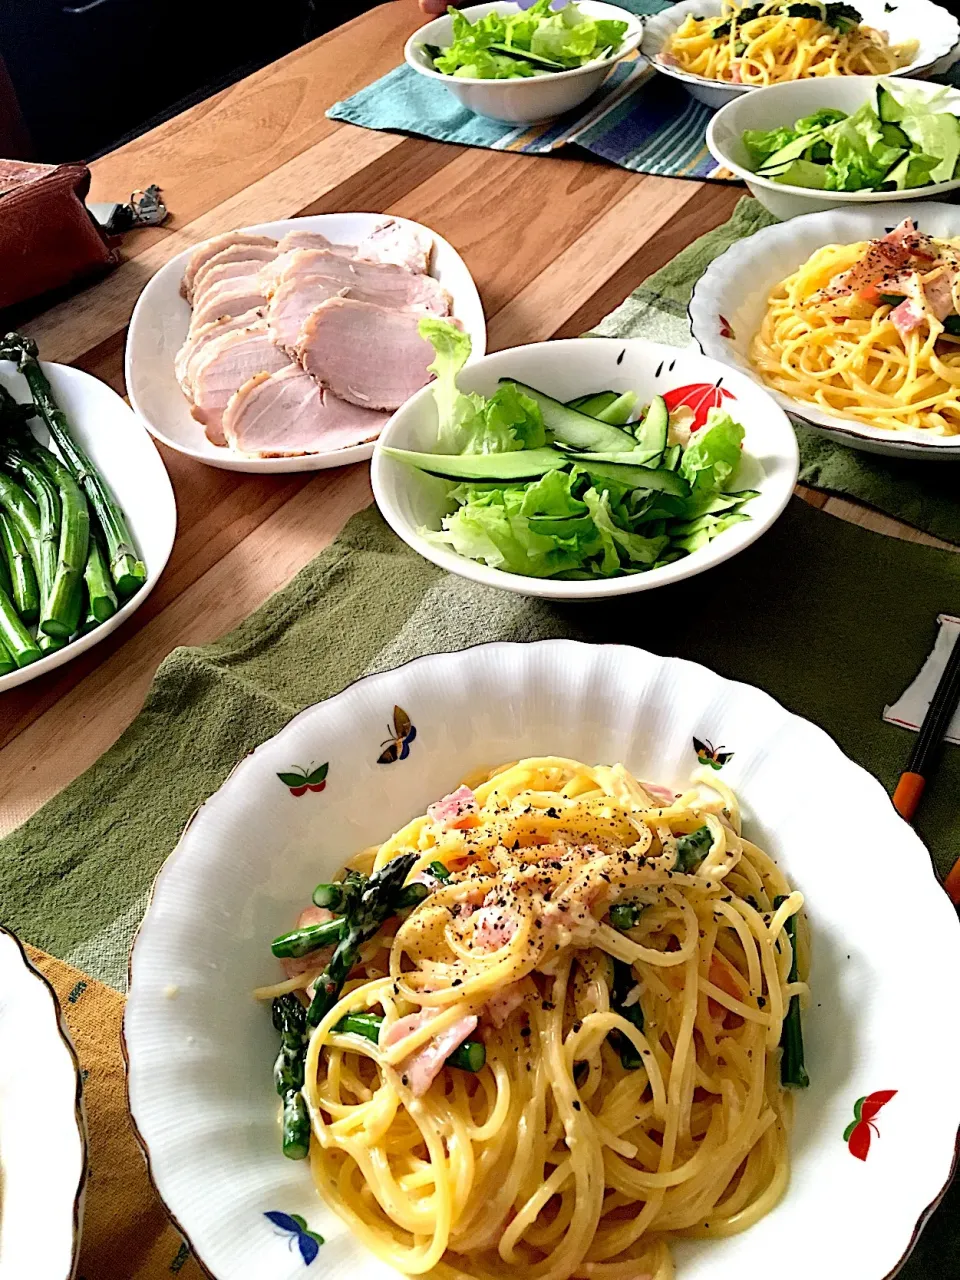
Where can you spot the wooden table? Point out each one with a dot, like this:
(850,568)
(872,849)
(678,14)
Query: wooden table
(553,243)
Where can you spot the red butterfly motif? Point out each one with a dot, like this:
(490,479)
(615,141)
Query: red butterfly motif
(857,1133)
(699,398)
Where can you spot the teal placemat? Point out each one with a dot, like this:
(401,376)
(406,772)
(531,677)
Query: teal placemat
(639,120)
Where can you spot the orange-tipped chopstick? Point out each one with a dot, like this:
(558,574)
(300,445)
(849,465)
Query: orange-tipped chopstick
(926,750)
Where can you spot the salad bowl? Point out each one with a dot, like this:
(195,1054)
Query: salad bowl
(413,503)
(937,30)
(518,100)
(43,1145)
(200,1048)
(782,105)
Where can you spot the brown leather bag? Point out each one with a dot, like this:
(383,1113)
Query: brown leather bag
(47,237)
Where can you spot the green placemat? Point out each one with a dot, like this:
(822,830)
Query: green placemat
(923,494)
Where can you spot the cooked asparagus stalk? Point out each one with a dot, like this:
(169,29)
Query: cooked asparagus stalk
(381,898)
(289,1018)
(793,1072)
(102,599)
(469,1056)
(23,514)
(24,588)
(300,942)
(15,636)
(624,981)
(129,573)
(63,602)
(7,663)
(47,498)
(335,896)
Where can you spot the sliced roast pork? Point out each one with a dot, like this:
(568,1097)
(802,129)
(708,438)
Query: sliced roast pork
(369,355)
(227,364)
(392,242)
(385,284)
(313,240)
(285,414)
(238,260)
(298,295)
(196,344)
(203,252)
(232,298)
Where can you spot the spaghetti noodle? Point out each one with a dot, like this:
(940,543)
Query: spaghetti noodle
(870,331)
(765,44)
(624,956)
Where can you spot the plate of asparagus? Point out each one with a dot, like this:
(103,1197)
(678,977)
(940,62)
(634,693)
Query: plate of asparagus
(87,513)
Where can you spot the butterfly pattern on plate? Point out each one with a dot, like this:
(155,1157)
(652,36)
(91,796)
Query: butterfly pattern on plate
(397,746)
(295,1227)
(309,779)
(858,1132)
(708,754)
(699,398)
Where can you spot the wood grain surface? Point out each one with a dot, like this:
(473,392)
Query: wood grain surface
(554,243)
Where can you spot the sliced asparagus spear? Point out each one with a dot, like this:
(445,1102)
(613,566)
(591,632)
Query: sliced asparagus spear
(15,635)
(45,494)
(300,942)
(129,573)
(63,602)
(469,1056)
(102,599)
(381,898)
(23,513)
(24,588)
(7,663)
(289,1018)
(793,1072)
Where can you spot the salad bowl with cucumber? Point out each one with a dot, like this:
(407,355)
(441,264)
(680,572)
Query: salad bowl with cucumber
(582,468)
(811,145)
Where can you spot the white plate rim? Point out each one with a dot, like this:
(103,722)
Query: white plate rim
(46,990)
(73,650)
(231,461)
(705,303)
(924,869)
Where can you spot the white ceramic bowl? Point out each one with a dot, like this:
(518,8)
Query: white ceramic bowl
(936,29)
(522,101)
(200,1049)
(730,299)
(117,444)
(43,1142)
(410,501)
(783,104)
(161,318)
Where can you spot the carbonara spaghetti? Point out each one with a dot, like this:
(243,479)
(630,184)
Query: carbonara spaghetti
(763,44)
(568,1053)
(870,331)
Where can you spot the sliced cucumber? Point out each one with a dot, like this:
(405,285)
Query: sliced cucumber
(518,465)
(888,108)
(652,432)
(794,150)
(524,55)
(671,457)
(594,403)
(575,428)
(618,412)
(632,458)
(639,477)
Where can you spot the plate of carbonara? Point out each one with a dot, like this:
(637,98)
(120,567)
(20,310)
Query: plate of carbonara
(722,47)
(851,321)
(546,981)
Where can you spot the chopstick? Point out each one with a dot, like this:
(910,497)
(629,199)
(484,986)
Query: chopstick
(923,757)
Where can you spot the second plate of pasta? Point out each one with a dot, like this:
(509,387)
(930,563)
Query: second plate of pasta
(848,321)
(559,933)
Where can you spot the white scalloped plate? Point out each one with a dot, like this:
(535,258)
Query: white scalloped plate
(730,298)
(43,1144)
(200,1050)
(161,318)
(937,30)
